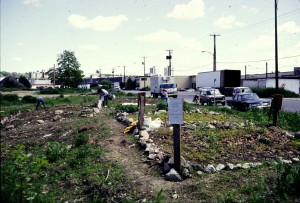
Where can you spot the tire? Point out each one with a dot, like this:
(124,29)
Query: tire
(223,103)
(175,96)
(155,95)
(202,103)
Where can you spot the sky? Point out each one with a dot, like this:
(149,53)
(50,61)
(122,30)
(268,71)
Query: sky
(107,35)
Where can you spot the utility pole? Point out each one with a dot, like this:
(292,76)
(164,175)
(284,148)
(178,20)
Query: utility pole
(113,72)
(144,63)
(215,65)
(245,71)
(169,57)
(54,75)
(276,49)
(124,75)
(266,70)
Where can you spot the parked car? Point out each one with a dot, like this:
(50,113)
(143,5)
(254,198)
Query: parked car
(190,90)
(246,101)
(211,96)
(238,90)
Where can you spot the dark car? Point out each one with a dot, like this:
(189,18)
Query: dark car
(246,101)
(211,96)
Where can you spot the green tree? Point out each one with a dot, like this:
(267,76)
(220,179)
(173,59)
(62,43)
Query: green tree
(4,73)
(106,84)
(25,81)
(67,73)
(130,85)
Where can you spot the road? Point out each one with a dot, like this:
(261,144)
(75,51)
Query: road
(288,104)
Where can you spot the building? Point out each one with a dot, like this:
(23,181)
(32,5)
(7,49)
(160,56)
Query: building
(287,80)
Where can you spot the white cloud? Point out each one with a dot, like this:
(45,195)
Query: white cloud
(165,36)
(160,36)
(88,47)
(32,2)
(251,9)
(99,23)
(262,41)
(289,27)
(190,11)
(21,44)
(16,59)
(228,22)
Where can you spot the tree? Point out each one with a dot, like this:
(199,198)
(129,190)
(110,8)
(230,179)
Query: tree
(4,73)
(67,73)
(25,81)
(10,82)
(130,85)
(106,84)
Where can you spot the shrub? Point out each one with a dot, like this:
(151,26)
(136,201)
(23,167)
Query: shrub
(92,85)
(55,150)
(29,99)
(145,88)
(81,139)
(130,94)
(25,81)
(10,97)
(268,92)
(49,91)
(162,105)
(288,179)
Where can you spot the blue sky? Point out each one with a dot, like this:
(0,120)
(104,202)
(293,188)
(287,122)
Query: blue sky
(110,34)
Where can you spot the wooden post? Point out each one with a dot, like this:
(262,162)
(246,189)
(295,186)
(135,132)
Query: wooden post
(177,147)
(141,104)
(175,113)
(276,106)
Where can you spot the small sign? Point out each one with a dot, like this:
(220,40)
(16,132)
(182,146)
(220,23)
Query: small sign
(175,110)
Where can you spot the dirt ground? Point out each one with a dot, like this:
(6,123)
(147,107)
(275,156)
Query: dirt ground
(122,150)
(120,146)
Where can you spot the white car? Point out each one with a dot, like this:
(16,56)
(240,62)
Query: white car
(190,90)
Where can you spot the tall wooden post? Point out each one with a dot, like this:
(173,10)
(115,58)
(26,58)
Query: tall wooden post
(175,113)
(141,104)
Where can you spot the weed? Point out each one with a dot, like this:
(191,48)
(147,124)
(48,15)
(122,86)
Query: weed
(55,151)
(81,139)
(288,178)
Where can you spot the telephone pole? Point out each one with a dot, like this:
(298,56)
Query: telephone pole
(169,58)
(54,75)
(276,49)
(144,63)
(215,66)
(124,75)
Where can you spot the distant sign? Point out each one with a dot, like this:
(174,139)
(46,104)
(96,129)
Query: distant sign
(175,110)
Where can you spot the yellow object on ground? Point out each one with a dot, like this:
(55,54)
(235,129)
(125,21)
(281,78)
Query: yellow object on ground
(130,127)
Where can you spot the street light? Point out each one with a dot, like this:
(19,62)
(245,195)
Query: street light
(113,71)
(214,62)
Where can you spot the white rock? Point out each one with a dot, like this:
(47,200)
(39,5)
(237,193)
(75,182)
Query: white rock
(57,112)
(220,167)
(40,121)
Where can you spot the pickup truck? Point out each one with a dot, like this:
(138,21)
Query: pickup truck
(211,96)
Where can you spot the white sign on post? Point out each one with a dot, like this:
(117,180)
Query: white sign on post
(175,110)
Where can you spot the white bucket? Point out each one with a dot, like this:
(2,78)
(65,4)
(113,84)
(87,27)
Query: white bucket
(147,121)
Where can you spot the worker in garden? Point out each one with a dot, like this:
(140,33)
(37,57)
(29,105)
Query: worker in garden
(103,96)
(40,100)
(164,95)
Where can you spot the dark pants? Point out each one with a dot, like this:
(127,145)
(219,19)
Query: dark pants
(105,102)
(40,100)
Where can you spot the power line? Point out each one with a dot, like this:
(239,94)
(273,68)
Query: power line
(262,60)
